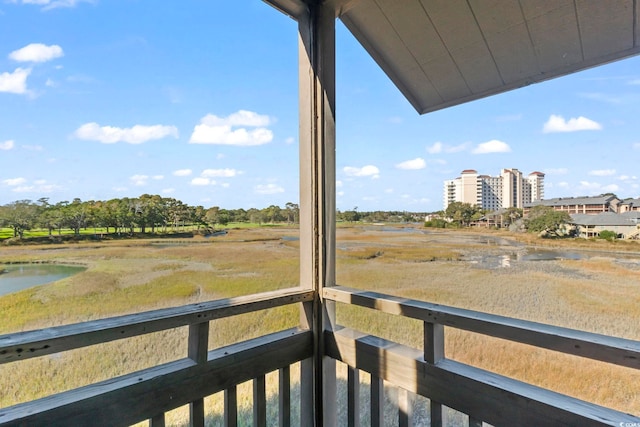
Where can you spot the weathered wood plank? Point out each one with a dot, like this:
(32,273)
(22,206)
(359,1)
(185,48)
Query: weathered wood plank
(141,395)
(434,353)
(25,345)
(470,390)
(197,351)
(605,348)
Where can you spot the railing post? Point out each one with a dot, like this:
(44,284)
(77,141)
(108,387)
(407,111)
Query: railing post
(259,402)
(316,55)
(377,401)
(353,397)
(197,351)
(231,407)
(405,408)
(433,353)
(284,397)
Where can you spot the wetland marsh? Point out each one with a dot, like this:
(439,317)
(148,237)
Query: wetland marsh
(597,291)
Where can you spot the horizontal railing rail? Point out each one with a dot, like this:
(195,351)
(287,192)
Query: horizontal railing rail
(483,396)
(150,393)
(619,351)
(143,395)
(25,345)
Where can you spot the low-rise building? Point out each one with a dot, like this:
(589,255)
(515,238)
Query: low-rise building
(625,226)
(580,205)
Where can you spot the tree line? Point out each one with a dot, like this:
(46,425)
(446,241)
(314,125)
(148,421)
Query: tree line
(147,213)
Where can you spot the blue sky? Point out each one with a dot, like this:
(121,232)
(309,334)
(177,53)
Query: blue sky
(197,100)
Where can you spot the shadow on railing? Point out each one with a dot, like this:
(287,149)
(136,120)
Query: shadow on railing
(483,396)
(149,394)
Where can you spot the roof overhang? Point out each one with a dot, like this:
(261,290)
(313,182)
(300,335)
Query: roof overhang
(440,53)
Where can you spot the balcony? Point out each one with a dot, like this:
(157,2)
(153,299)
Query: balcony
(483,397)
(388,34)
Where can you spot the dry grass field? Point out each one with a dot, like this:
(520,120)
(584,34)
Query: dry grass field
(479,271)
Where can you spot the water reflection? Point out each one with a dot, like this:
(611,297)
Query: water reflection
(21,276)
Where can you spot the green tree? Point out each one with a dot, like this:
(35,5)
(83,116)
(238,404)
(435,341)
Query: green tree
(547,221)
(462,213)
(21,215)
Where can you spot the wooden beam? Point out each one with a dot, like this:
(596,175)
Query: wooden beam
(141,395)
(316,55)
(478,393)
(25,345)
(619,351)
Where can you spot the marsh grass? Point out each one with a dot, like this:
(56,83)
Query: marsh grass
(597,294)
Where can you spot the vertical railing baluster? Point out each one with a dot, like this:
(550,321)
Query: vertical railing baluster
(259,402)
(284,397)
(433,353)
(377,401)
(197,351)
(474,422)
(353,397)
(157,421)
(405,408)
(231,407)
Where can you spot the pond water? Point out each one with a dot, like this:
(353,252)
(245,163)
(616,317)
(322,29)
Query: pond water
(21,276)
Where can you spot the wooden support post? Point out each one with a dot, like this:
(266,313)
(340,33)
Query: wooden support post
(197,351)
(433,353)
(353,397)
(284,397)
(377,401)
(231,407)
(259,402)
(316,31)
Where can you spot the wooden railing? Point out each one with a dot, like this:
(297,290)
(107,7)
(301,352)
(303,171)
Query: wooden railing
(149,393)
(483,396)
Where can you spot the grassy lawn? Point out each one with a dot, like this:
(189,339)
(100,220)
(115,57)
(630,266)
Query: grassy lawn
(599,294)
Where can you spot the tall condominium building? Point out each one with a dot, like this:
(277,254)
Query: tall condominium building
(509,189)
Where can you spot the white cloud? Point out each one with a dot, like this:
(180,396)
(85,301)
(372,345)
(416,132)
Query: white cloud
(602,172)
(338,183)
(493,146)
(7,145)
(290,140)
(158,177)
(559,124)
(439,147)
(137,134)
(202,181)
(11,182)
(182,172)
(232,130)
(627,177)
(37,52)
(368,170)
(636,146)
(15,82)
(415,164)
(168,191)
(563,184)
(139,180)
(54,4)
(268,189)
(220,173)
